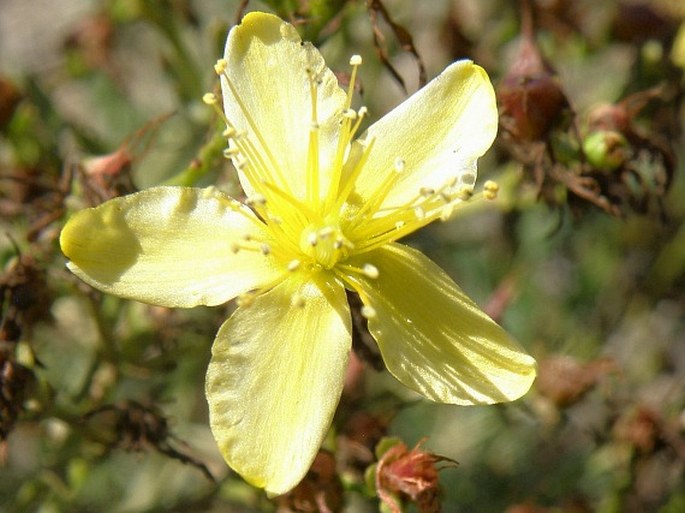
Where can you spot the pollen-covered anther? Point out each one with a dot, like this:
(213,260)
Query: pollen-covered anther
(294,265)
(426,192)
(209,98)
(235,247)
(465,193)
(220,66)
(490,190)
(370,271)
(229,132)
(368,312)
(356,60)
(419,213)
(312,239)
(265,249)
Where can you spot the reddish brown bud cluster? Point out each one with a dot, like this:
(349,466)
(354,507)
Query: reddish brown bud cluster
(411,474)
(321,490)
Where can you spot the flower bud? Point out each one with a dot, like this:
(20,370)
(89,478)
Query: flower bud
(606,150)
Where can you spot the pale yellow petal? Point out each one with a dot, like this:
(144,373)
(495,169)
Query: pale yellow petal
(436,340)
(168,246)
(268,65)
(275,380)
(438,133)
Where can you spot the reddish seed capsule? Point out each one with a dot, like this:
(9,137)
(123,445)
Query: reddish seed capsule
(531,98)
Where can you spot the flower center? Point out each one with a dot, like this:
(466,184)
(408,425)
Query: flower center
(325,244)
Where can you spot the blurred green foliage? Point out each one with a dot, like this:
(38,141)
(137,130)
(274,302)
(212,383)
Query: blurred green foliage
(101,400)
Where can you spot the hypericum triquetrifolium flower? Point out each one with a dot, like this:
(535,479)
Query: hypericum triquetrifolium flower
(322,215)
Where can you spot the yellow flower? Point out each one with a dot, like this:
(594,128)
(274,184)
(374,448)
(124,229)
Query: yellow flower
(322,215)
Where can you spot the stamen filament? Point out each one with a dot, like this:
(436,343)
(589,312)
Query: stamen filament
(275,167)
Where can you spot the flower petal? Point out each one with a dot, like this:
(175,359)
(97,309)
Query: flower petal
(168,246)
(268,66)
(275,379)
(436,340)
(439,133)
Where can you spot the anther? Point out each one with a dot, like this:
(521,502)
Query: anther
(209,98)
(266,249)
(349,114)
(293,265)
(220,66)
(490,190)
(312,239)
(426,192)
(257,199)
(235,247)
(229,153)
(297,301)
(464,193)
(363,111)
(368,312)
(229,132)
(419,213)
(370,271)
(356,60)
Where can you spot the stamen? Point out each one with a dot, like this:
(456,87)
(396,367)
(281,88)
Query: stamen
(231,153)
(490,190)
(294,265)
(370,271)
(313,149)
(220,66)
(209,98)
(368,312)
(256,199)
